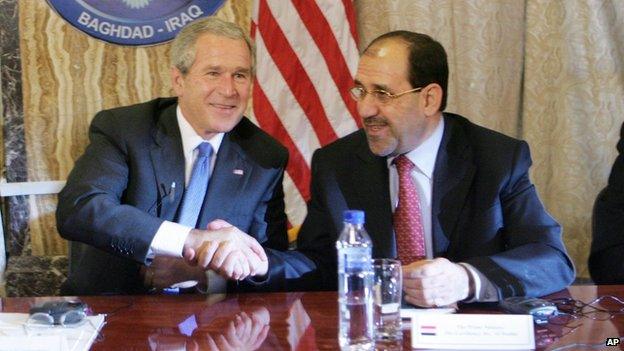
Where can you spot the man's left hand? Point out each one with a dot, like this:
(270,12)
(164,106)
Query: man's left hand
(435,283)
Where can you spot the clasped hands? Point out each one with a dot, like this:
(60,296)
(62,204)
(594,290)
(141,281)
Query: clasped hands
(222,248)
(435,283)
(226,250)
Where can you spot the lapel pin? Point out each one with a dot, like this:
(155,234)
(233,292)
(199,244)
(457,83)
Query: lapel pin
(238,172)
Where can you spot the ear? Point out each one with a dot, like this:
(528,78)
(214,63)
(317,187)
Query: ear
(432,94)
(177,81)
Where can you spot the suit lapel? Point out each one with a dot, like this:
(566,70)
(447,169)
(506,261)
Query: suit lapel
(168,163)
(368,183)
(453,176)
(228,179)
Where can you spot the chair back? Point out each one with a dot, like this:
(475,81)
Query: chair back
(21,189)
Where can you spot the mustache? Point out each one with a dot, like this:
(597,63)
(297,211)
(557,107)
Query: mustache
(375,121)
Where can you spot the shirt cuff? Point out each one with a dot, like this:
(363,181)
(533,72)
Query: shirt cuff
(485,290)
(169,239)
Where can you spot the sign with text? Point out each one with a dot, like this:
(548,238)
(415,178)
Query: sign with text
(133,22)
(473,332)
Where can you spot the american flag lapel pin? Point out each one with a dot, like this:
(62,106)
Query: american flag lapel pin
(238,172)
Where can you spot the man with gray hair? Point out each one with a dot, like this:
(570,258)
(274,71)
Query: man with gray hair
(176,191)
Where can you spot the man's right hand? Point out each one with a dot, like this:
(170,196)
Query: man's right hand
(226,250)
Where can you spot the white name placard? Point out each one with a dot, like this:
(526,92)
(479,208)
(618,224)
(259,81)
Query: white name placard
(473,332)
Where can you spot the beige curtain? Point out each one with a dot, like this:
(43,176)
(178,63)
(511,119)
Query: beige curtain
(546,71)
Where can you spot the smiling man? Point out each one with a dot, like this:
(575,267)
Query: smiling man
(179,177)
(451,200)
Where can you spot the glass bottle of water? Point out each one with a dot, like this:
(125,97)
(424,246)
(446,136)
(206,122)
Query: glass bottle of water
(355,282)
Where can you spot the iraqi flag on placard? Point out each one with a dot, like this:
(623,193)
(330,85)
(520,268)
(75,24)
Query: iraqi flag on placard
(428,330)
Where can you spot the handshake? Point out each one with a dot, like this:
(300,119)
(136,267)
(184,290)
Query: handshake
(222,248)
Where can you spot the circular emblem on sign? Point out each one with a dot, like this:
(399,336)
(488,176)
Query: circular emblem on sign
(133,22)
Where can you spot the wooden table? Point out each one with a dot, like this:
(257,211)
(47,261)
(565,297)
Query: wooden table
(278,321)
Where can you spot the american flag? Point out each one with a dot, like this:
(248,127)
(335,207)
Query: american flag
(306,56)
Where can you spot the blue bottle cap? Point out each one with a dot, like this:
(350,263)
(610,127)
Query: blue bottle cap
(353,216)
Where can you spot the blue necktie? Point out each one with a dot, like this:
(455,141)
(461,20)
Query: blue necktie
(196,190)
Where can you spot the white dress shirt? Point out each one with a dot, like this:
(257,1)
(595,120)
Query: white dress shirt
(170,237)
(424,158)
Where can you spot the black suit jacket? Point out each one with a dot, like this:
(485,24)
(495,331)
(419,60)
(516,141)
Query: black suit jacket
(485,211)
(119,193)
(605,260)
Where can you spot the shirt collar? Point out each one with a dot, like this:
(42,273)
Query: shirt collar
(424,155)
(190,138)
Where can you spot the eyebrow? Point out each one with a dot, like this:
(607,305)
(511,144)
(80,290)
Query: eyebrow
(236,69)
(380,87)
(242,70)
(375,86)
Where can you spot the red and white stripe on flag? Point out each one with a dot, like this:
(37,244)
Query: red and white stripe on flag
(306,58)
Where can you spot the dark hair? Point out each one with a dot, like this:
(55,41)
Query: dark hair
(427,60)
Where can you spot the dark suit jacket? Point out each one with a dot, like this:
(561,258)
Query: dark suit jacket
(485,211)
(605,260)
(119,193)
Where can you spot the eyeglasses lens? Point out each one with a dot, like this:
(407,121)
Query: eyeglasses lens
(41,319)
(72,318)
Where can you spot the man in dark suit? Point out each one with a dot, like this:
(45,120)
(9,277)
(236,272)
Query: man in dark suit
(605,260)
(123,202)
(452,200)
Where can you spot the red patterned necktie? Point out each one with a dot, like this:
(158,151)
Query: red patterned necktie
(408,226)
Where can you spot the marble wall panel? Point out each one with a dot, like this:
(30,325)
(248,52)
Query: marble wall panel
(15,209)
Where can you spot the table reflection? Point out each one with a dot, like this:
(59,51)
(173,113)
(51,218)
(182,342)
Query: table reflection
(305,321)
(239,323)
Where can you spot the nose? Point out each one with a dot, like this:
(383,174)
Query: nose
(367,107)
(227,87)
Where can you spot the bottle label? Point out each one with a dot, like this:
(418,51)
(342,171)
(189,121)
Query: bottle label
(354,259)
